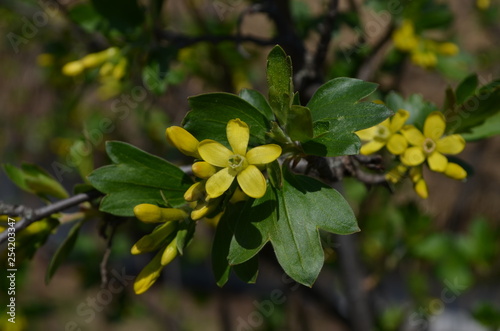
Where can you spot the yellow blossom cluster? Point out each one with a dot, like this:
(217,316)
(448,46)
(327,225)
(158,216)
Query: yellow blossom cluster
(218,166)
(414,148)
(423,52)
(112,68)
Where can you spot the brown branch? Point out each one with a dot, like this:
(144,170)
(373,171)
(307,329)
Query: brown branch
(40,213)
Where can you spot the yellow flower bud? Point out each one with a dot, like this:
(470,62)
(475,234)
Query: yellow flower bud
(183,141)
(421,188)
(214,220)
(195,192)
(238,196)
(106,69)
(119,69)
(483,4)
(45,60)
(396,173)
(169,253)
(203,169)
(203,208)
(448,49)
(95,59)
(455,171)
(154,240)
(149,213)
(148,275)
(73,68)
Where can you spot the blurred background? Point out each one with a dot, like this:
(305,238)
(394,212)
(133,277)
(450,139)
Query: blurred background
(422,264)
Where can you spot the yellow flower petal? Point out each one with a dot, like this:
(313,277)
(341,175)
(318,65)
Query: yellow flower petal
(372,147)
(398,120)
(455,171)
(421,189)
(453,144)
(183,141)
(263,154)
(214,153)
(413,156)
(169,253)
(238,196)
(238,135)
(203,169)
(434,126)
(219,183)
(437,162)
(413,135)
(367,134)
(148,275)
(252,182)
(397,144)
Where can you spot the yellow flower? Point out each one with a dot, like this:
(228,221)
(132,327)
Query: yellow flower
(404,38)
(73,68)
(184,141)
(483,4)
(384,134)
(448,49)
(237,163)
(431,145)
(424,59)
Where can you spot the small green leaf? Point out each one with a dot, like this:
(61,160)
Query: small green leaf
(291,218)
(466,88)
(34,179)
(63,251)
(449,99)
(475,110)
(280,83)
(299,126)
(185,234)
(211,112)
(248,271)
(137,177)
(220,246)
(82,158)
(337,113)
(256,99)
(490,127)
(275,174)
(415,104)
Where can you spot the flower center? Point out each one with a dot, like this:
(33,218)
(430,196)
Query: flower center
(237,162)
(382,132)
(429,145)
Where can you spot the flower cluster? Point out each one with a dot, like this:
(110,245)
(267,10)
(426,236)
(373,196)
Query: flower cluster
(163,239)
(414,148)
(219,167)
(112,67)
(423,51)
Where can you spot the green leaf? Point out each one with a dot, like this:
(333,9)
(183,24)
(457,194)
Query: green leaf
(185,234)
(211,112)
(275,174)
(248,271)
(63,251)
(34,179)
(490,127)
(85,16)
(137,177)
(466,88)
(291,218)
(256,99)
(337,113)
(280,83)
(475,110)
(415,104)
(299,126)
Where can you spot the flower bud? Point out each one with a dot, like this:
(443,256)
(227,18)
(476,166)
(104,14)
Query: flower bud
(155,239)
(149,213)
(184,141)
(169,253)
(148,275)
(203,169)
(73,68)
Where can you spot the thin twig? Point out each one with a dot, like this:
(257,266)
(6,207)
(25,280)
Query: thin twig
(46,211)
(105,257)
